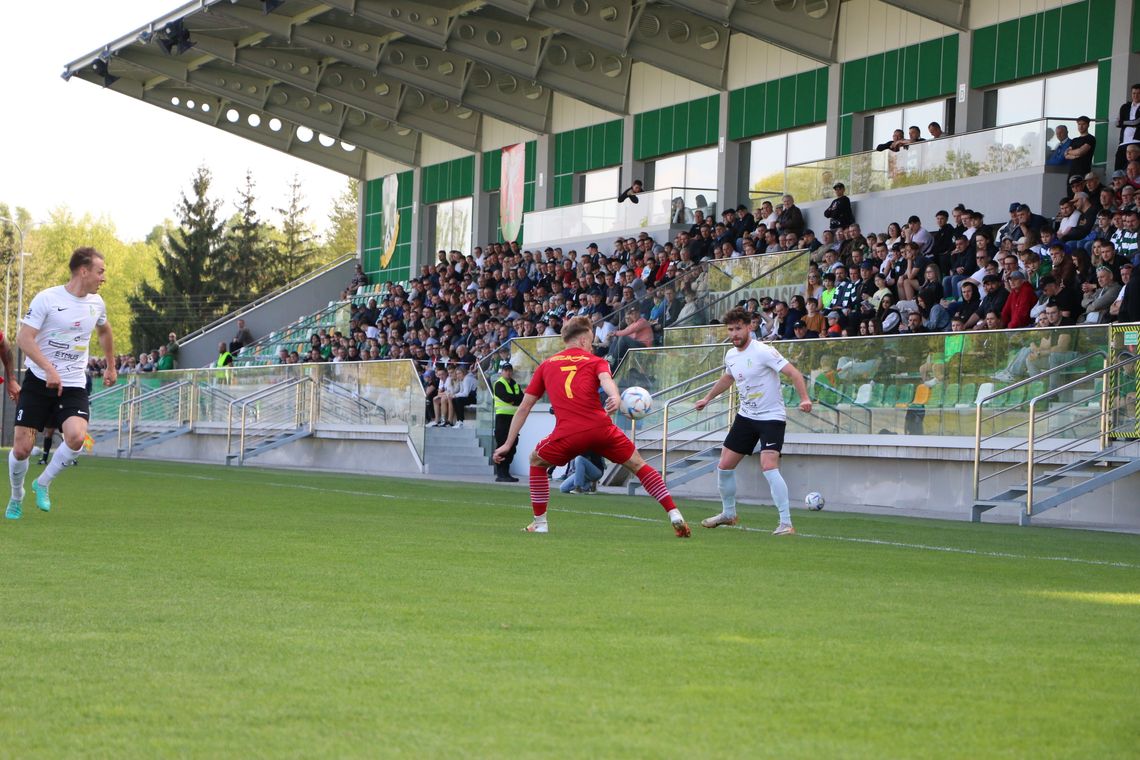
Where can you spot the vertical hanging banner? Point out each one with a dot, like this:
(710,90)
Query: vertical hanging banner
(390,218)
(511,186)
(1124,387)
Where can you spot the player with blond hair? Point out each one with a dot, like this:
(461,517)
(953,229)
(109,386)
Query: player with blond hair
(571,379)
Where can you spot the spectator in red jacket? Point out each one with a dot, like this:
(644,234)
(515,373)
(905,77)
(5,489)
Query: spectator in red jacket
(1021,300)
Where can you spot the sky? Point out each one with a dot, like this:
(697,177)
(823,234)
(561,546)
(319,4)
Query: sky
(96,151)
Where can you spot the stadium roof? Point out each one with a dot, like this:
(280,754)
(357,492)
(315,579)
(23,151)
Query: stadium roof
(319,79)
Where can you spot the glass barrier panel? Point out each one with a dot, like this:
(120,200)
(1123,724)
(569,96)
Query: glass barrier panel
(697,335)
(654,208)
(993,151)
(920,384)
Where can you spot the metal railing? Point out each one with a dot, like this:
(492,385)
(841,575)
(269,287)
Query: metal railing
(713,304)
(708,421)
(267,297)
(159,411)
(980,421)
(270,417)
(339,403)
(1034,457)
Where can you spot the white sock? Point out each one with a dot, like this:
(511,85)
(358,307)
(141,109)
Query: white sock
(779,494)
(17,469)
(675,516)
(64,456)
(726,484)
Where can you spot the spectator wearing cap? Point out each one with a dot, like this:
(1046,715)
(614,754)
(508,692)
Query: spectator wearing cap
(1128,122)
(1080,152)
(834,324)
(1076,185)
(1010,229)
(1015,311)
(993,301)
(508,395)
(800,331)
(1057,156)
(839,211)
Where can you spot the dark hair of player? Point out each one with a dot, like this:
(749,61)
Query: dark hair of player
(737,315)
(83,258)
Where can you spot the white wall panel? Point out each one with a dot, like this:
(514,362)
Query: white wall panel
(751,61)
(993,12)
(869,27)
(497,133)
(651,88)
(568,113)
(378,166)
(433,151)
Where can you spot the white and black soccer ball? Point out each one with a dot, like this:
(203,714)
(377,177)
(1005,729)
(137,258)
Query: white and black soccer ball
(635,402)
(814,501)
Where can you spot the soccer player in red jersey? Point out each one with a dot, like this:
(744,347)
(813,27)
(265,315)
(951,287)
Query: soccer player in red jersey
(571,379)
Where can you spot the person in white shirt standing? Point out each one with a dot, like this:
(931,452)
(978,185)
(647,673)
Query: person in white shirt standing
(55,336)
(755,367)
(1127,122)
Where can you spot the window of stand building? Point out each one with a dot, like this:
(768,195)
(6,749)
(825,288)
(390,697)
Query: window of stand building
(1068,94)
(694,170)
(452,225)
(767,157)
(879,127)
(601,185)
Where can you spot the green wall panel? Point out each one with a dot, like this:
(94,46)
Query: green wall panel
(676,128)
(845,125)
(399,267)
(448,180)
(581,150)
(794,101)
(1039,43)
(1136,26)
(923,71)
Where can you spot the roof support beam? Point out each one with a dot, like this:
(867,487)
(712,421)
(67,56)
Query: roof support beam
(809,28)
(955,13)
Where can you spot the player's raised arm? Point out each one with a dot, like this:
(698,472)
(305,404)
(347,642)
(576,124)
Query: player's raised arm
(9,369)
(517,422)
(789,371)
(107,342)
(722,385)
(613,397)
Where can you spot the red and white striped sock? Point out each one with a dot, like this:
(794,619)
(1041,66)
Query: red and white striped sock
(655,487)
(539,491)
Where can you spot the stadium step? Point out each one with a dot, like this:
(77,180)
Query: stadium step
(1091,472)
(144,438)
(455,451)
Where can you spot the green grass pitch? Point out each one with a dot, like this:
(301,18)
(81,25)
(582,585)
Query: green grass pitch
(165,609)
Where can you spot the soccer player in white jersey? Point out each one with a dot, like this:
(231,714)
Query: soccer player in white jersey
(755,367)
(54,336)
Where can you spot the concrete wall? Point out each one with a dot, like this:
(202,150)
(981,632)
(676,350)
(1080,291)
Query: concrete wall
(272,315)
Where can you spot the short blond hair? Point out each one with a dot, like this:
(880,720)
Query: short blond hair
(575,327)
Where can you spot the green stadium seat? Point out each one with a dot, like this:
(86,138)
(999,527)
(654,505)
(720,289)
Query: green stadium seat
(966,394)
(937,392)
(877,391)
(905,396)
(950,396)
(891,397)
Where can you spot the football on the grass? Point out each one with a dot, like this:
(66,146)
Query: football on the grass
(814,501)
(635,402)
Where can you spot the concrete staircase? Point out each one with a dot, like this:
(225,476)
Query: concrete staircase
(456,451)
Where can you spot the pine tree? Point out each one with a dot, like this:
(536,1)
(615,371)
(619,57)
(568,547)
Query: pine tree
(187,296)
(241,269)
(295,249)
(340,237)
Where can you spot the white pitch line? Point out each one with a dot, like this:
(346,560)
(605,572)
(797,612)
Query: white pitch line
(638,518)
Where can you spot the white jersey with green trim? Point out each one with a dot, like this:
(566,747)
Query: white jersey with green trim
(65,323)
(756,371)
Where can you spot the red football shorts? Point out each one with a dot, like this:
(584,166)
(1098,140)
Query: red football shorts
(559,448)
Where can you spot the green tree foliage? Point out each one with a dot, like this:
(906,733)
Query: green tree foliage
(50,245)
(248,247)
(295,249)
(340,237)
(194,256)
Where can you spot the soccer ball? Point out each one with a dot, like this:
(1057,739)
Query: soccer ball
(814,501)
(635,402)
